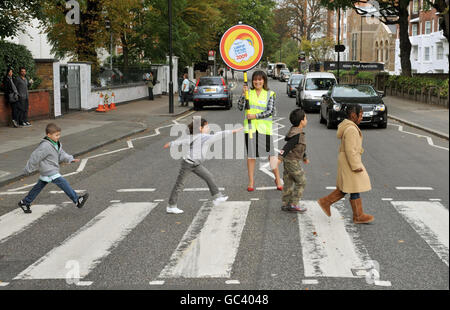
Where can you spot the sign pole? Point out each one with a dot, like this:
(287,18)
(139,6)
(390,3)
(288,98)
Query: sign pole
(247,107)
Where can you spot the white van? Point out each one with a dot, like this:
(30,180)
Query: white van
(270,67)
(311,89)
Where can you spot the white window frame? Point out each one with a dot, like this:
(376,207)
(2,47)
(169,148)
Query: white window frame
(416,27)
(428,27)
(414,11)
(439,47)
(425,54)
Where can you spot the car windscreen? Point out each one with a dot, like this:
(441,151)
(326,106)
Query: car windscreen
(210,82)
(358,91)
(319,83)
(296,81)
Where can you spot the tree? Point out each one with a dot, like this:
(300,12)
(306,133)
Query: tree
(15,14)
(319,49)
(389,12)
(306,18)
(78,41)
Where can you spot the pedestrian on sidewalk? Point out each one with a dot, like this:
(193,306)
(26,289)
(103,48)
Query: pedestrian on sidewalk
(352,176)
(199,144)
(259,121)
(292,153)
(23,84)
(150,86)
(12,96)
(185,91)
(46,158)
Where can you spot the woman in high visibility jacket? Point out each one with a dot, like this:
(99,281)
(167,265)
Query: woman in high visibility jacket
(258,121)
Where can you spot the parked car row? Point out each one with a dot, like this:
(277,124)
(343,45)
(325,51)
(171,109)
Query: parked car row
(320,92)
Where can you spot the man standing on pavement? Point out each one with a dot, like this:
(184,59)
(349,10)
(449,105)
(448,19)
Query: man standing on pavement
(150,86)
(185,91)
(22,83)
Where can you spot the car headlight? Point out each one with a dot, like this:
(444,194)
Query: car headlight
(380,107)
(337,107)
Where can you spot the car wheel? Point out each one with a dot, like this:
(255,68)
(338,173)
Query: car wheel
(229,105)
(321,119)
(330,124)
(382,125)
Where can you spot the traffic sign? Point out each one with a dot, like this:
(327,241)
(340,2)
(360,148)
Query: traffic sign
(339,48)
(241,47)
(211,55)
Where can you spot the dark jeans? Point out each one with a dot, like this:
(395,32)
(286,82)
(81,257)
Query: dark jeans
(15,111)
(60,182)
(184,98)
(150,93)
(353,196)
(22,111)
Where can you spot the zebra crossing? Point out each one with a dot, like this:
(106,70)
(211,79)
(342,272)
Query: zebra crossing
(331,246)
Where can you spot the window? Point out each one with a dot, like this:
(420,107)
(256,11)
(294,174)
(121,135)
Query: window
(354,45)
(439,51)
(359,91)
(415,52)
(414,29)
(415,6)
(427,54)
(319,83)
(426,5)
(428,27)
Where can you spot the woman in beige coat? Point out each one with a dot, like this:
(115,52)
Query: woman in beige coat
(352,176)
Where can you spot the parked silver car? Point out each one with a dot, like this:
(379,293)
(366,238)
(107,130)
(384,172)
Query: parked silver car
(212,90)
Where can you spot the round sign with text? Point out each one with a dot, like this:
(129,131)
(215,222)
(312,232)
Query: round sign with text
(241,47)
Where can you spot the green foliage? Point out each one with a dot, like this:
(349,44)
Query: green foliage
(15,14)
(418,84)
(17,56)
(366,75)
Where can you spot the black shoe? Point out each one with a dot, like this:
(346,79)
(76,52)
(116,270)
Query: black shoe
(82,200)
(24,125)
(28,124)
(25,207)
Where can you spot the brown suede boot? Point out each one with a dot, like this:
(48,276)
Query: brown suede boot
(359,217)
(326,202)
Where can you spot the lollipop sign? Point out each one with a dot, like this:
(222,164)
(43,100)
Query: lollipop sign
(241,47)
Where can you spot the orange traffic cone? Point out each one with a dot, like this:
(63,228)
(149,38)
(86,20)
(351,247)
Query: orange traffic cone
(112,106)
(101,105)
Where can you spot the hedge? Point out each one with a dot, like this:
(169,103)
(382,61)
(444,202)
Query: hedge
(17,56)
(419,83)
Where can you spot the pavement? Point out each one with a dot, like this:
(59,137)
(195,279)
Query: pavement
(83,131)
(427,117)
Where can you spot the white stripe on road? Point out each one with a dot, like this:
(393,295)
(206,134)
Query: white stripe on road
(331,246)
(232,282)
(156,282)
(89,244)
(16,221)
(309,282)
(12,193)
(78,191)
(435,199)
(330,187)
(132,190)
(430,220)
(209,247)
(4,284)
(406,188)
(200,189)
(387,199)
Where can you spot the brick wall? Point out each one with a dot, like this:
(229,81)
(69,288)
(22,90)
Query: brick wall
(39,107)
(45,71)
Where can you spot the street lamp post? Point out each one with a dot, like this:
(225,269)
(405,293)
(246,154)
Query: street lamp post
(170,60)
(339,43)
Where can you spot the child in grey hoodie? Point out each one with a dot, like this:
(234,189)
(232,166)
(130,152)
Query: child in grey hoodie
(193,162)
(46,158)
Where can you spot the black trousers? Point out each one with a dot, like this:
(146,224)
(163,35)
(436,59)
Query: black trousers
(22,111)
(15,111)
(150,93)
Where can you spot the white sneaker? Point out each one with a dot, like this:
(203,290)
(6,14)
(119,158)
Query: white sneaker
(174,210)
(220,198)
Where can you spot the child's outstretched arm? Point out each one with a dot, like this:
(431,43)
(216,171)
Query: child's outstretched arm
(221,134)
(64,157)
(178,142)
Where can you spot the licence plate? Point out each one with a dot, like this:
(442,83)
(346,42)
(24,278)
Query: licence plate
(367,114)
(318,103)
(210,90)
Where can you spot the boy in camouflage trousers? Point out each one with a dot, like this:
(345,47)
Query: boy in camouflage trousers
(293,152)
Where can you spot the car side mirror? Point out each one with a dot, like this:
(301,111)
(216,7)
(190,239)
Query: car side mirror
(381,94)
